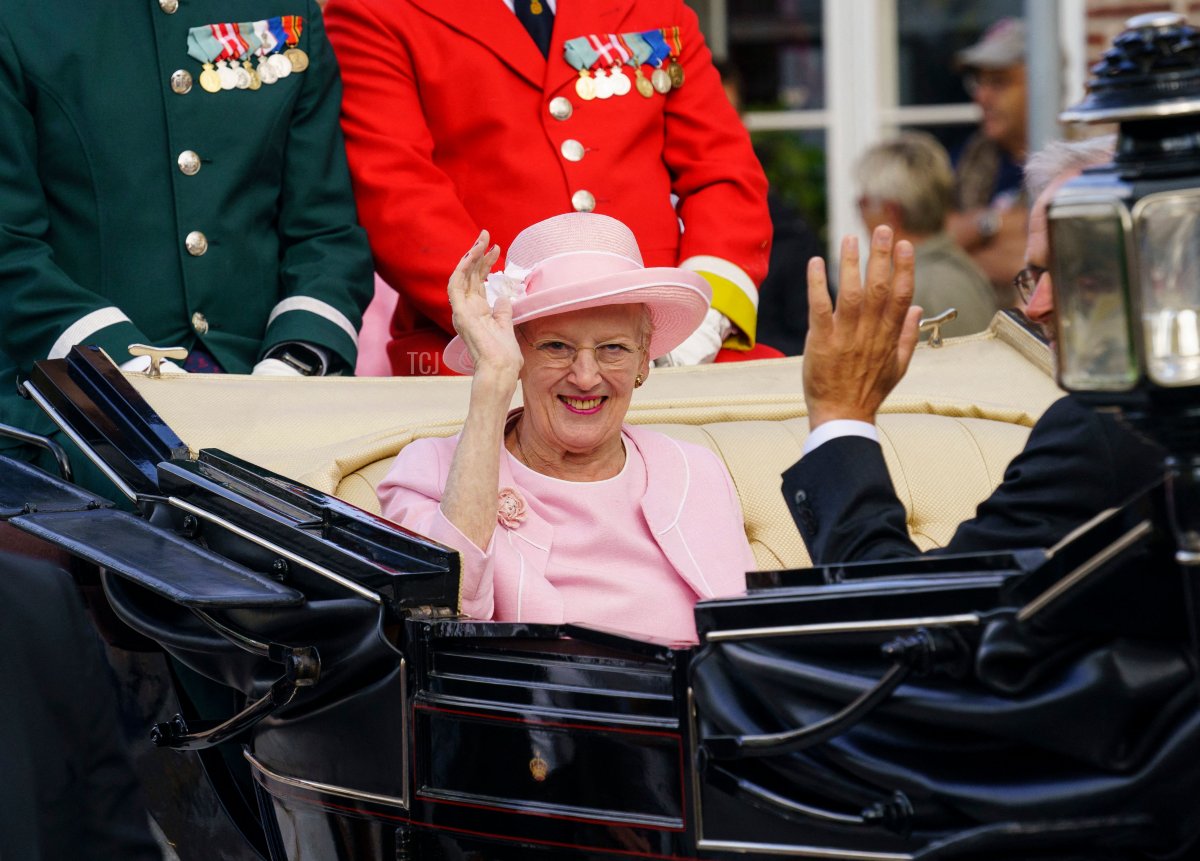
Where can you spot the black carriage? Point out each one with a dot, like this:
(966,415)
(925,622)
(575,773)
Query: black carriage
(311,692)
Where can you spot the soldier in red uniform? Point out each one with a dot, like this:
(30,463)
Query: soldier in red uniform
(469,115)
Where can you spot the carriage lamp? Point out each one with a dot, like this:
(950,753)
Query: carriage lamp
(1125,252)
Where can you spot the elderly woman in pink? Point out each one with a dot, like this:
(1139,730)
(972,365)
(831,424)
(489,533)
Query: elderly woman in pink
(560,510)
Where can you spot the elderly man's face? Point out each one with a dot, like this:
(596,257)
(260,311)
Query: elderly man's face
(1002,94)
(1040,307)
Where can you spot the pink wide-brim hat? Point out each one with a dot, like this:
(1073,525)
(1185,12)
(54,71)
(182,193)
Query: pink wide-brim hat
(585,260)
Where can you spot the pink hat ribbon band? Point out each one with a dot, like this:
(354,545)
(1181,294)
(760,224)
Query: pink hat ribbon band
(574,266)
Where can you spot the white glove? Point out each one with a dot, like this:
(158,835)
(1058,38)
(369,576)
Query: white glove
(275,368)
(702,346)
(139,364)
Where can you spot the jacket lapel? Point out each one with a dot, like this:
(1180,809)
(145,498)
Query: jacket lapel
(577,18)
(667,487)
(489,23)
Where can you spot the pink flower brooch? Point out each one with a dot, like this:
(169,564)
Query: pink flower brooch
(510,508)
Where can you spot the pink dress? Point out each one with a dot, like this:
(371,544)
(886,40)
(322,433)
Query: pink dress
(631,554)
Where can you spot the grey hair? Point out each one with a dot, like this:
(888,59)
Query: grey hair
(913,171)
(1059,157)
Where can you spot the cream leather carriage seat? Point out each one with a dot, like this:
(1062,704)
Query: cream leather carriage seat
(942,466)
(948,432)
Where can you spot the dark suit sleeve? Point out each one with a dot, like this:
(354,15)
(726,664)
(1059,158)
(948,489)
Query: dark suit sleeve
(844,505)
(325,270)
(1075,464)
(63,734)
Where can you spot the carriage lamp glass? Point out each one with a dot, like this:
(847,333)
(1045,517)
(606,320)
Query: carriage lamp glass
(1089,267)
(1168,231)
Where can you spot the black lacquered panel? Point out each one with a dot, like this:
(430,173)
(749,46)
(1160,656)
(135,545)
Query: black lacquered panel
(554,684)
(561,769)
(159,560)
(406,569)
(24,488)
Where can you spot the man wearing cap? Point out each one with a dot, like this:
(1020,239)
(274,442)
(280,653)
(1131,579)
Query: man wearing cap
(499,113)
(991,219)
(158,192)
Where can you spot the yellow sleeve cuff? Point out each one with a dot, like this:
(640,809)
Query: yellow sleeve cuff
(733,302)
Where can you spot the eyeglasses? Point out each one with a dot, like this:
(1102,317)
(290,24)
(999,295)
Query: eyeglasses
(1026,281)
(617,355)
(991,79)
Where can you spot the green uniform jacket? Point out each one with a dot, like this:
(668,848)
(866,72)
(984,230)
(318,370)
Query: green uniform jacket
(101,109)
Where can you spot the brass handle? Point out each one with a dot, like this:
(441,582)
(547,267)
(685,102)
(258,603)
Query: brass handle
(933,325)
(157,354)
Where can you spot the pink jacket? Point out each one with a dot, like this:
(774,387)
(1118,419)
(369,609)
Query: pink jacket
(690,505)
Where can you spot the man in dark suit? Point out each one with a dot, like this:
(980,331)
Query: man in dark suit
(67,789)
(1075,464)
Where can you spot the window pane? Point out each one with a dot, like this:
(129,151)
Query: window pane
(778,47)
(931,32)
(795,166)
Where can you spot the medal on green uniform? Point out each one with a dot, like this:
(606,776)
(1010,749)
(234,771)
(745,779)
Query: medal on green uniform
(203,46)
(292,25)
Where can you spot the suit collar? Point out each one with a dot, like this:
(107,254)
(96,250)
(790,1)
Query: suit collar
(489,23)
(579,18)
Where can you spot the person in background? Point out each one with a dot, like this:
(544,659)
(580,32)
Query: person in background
(560,510)
(506,112)
(203,202)
(67,788)
(1076,463)
(782,298)
(907,184)
(991,215)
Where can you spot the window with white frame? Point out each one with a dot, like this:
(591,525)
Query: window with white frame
(823,80)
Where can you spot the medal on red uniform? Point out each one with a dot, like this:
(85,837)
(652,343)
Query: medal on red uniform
(292,25)
(640,52)
(621,55)
(674,68)
(605,58)
(660,79)
(535,7)
(580,55)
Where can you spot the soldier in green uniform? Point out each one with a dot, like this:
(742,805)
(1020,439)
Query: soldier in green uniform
(173,174)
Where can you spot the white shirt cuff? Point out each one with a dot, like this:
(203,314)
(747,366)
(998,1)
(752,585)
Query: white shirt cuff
(837,428)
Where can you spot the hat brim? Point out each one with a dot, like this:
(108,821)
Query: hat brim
(677,300)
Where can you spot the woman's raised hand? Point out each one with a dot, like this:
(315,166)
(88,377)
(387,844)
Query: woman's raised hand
(487,331)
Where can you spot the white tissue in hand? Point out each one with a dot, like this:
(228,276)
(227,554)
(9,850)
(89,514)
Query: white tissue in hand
(510,283)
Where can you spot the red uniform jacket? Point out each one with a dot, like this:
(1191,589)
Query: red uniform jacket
(448,124)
